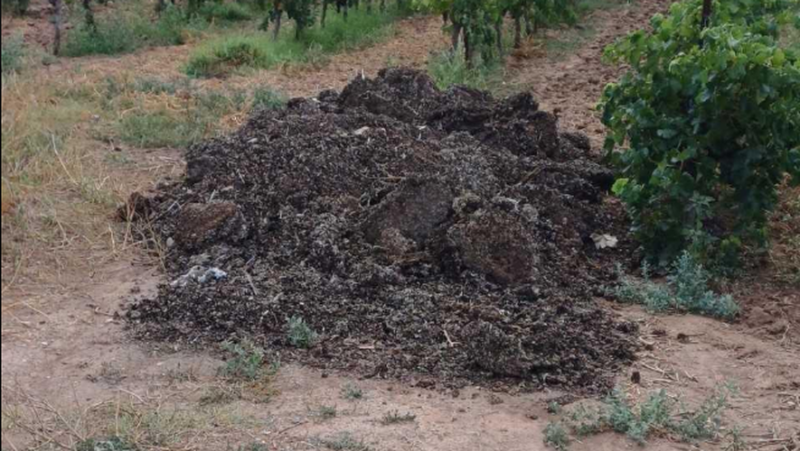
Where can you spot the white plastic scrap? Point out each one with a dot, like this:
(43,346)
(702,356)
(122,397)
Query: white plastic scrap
(200,275)
(605,241)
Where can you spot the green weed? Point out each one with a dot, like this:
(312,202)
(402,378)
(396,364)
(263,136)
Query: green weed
(229,12)
(13,50)
(345,442)
(447,70)
(687,290)
(266,98)
(246,362)
(127,32)
(228,54)
(556,437)
(326,413)
(112,444)
(352,392)
(300,333)
(393,418)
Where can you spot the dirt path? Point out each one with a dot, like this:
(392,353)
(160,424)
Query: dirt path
(572,85)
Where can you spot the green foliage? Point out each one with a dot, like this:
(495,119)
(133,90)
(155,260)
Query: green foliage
(687,290)
(556,437)
(711,118)
(658,414)
(13,50)
(345,442)
(352,392)
(227,54)
(302,12)
(554,408)
(16,7)
(245,363)
(300,333)
(112,444)
(447,71)
(266,98)
(327,413)
(126,33)
(165,128)
(393,418)
(254,447)
(228,12)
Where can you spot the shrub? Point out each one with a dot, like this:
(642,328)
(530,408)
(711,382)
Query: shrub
(13,51)
(556,437)
(449,70)
(265,98)
(300,333)
(711,118)
(246,361)
(352,392)
(126,33)
(687,290)
(229,12)
(658,414)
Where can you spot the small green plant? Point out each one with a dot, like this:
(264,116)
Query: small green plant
(658,414)
(345,442)
(246,361)
(326,413)
(13,50)
(352,392)
(111,444)
(300,333)
(228,12)
(554,408)
(254,447)
(393,418)
(447,71)
(556,437)
(221,395)
(266,98)
(687,290)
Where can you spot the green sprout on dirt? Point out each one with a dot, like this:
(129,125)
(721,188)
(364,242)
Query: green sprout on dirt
(13,51)
(344,442)
(254,447)
(266,98)
(111,444)
(301,335)
(659,414)
(554,408)
(246,362)
(326,413)
(393,418)
(687,290)
(556,437)
(352,392)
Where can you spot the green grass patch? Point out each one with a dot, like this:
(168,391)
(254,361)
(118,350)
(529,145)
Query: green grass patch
(13,51)
(449,70)
(227,12)
(687,290)
(257,50)
(128,31)
(658,415)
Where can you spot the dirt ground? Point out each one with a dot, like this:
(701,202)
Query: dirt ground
(70,370)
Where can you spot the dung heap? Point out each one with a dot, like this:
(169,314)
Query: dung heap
(446,237)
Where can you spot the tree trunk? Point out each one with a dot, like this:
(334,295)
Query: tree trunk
(324,13)
(456,37)
(161,6)
(517,32)
(369,6)
(445,17)
(278,17)
(708,6)
(383,6)
(345,11)
(56,26)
